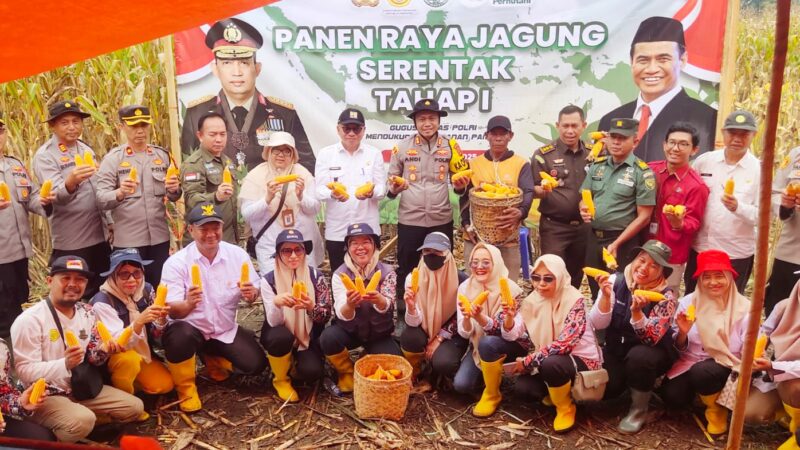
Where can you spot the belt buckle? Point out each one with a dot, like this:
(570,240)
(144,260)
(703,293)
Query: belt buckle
(598,233)
(574,222)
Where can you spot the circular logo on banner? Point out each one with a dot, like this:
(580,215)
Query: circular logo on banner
(399,3)
(435,3)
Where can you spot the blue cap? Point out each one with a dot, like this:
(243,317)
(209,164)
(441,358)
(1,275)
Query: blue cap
(125,255)
(361,229)
(204,213)
(291,236)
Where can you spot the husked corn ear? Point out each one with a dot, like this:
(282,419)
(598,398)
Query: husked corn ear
(362,290)
(47,187)
(505,292)
(596,135)
(227,177)
(594,273)
(463,174)
(172,171)
(297,289)
(397,180)
(133,175)
(79,160)
(679,210)
(102,330)
(481,299)
(586,196)
(596,149)
(761,346)
(244,278)
(793,189)
(652,296)
(365,189)
(286,178)
(5,193)
(37,391)
(70,339)
(668,209)
(465,304)
(372,286)
(729,186)
(339,189)
(88,159)
(609,259)
(161,295)
(690,312)
(547,176)
(395,372)
(347,282)
(196,280)
(125,336)
(415,280)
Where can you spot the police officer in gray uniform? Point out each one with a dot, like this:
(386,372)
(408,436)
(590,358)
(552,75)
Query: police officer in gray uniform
(77,225)
(137,205)
(15,233)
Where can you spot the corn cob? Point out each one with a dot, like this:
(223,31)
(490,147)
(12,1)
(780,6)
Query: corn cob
(161,295)
(125,336)
(481,299)
(47,187)
(196,280)
(133,175)
(365,189)
(105,335)
(372,286)
(505,292)
(488,187)
(668,209)
(70,339)
(690,312)
(339,189)
(297,289)
(88,159)
(793,189)
(5,193)
(415,280)
(729,186)
(595,152)
(652,296)
(609,259)
(362,290)
(347,282)
(172,171)
(245,276)
(679,210)
(761,346)
(286,178)
(79,161)
(227,177)
(594,273)
(463,174)
(586,195)
(596,135)
(397,180)
(37,391)
(395,372)
(465,304)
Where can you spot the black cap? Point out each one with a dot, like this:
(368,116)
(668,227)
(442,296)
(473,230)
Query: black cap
(292,236)
(740,120)
(659,29)
(125,255)
(361,229)
(70,263)
(625,127)
(133,114)
(351,116)
(659,251)
(65,107)
(499,122)
(204,213)
(233,39)
(427,104)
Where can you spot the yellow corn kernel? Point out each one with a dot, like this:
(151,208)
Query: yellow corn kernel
(596,149)
(372,286)
(690,312)
(286,178)
(729,186)
(196,280)
(482,297)
(463,174)
(70,339)
(415,280)
(548,177)
(347,282)
(609,259)
(397,373)
(172,171)
(596,135)
(161,295)
(505,292)
(362,290)
(652,296)
(79,161)
(339,189)
(679,210)
(595,273)
(365,189)
(37,391)
(102,330)
(227,177)
(5,193)
(465,304)
(47,187)
(761,346)
(125,336)
(389,376)
(133,175)
(297,289)
(88,159)
(793,189)
(586,196)
(668,209)
(397,180)
(245,276)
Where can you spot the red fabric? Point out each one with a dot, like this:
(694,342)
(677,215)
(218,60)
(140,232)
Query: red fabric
(644,122)
(714,260)
(42,35)
(682,188)
(704,25)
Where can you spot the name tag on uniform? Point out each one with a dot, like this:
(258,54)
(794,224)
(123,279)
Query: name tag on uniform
(625,182)
(653,228)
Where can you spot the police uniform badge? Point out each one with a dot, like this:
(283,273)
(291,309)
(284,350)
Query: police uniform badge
(262,135)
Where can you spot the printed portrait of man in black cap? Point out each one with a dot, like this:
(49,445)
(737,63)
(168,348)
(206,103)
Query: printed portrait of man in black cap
(658,55)
(249,115)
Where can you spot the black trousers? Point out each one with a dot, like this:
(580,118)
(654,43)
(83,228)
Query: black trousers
(335,339)
(704,378)
(597,239)
(555,371)
(336,251)
(492,348)
(25,429)
(181,341)
(566,241)
(97,256)
(780,283)
(279,341)
(447,357)
(409,239)
(158,254)
(743,266)
(636,366)
(14,292)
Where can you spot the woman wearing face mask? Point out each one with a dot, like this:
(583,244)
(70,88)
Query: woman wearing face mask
(638,344)
(432,331)
(554,317)
(491,328)
(260,198)
(124,300)
(710,346)
(293,324)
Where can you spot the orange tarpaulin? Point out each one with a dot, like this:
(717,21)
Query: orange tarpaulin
(41,35)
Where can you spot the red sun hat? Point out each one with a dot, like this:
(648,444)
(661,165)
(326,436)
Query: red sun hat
(714,260)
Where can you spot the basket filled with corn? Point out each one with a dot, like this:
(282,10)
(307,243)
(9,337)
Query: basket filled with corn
(382,386)
(486,203)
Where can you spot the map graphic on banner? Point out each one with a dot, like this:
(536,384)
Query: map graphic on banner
(525,59)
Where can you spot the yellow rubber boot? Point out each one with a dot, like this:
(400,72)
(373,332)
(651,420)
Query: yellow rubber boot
(415,359)
(716,415)
(565,407)
(124,368)
(344,367)
(183,374)
(491,397)
(794,415)
(217,368)
(283,384)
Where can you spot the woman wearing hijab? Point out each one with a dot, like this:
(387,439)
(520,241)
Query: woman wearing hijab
(124,300)
(260,198)
(292,324)
(16,406)
(432,331)
(488,327)
(710,345)
(361,320)
(554,318)
(638,344)
(777,387)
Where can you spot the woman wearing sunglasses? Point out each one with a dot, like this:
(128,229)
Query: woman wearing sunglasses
(491,328)
(638,343)
(126,300)
(286,205)
(293,324)
(554,318)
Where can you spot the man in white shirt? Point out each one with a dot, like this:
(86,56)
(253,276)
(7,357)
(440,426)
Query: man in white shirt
(203,314)
(353,164)
(41,351)
(729,222)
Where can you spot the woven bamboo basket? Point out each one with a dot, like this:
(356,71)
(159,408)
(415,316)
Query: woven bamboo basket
(381,398)
(484,212)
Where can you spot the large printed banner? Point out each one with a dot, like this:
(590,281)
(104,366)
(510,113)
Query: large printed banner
(525,59)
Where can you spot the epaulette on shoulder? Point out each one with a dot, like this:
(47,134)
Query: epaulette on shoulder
(202,99)
(546,149)
(642,165)
(280,102)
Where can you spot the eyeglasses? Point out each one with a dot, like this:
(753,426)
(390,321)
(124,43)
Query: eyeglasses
(682,145)
(137,275)
(476,264)
(542,278)
(355,129)
(292,251)
(286,151)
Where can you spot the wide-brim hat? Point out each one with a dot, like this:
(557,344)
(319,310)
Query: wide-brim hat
(427,104)
(659,251)
(130,255)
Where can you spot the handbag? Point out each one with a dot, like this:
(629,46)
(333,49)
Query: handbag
(589,385)
(727,397)
(86,380)
(253,240)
